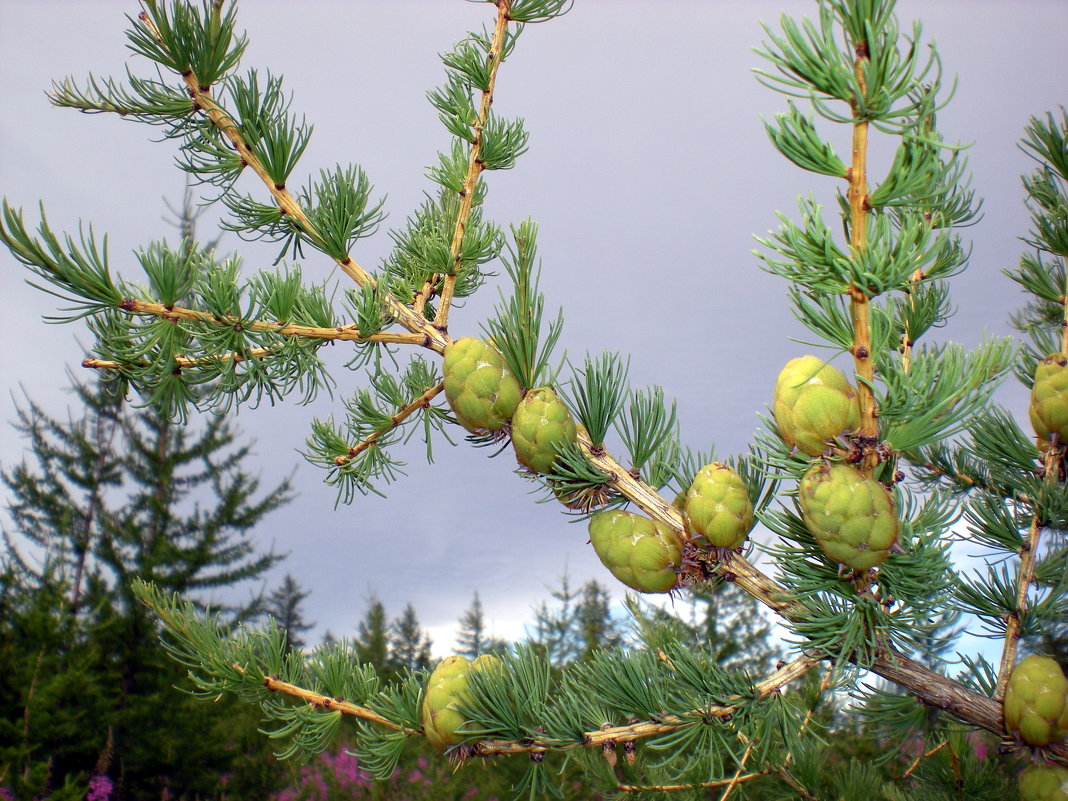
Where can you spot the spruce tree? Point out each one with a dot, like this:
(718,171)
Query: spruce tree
(372,643)
(471,637)
(593,619)
(717,616)
(111,495)
(409,643)
(860,473)
(576,624)
(283,604)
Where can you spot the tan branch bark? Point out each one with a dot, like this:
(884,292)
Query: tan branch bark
(922,757)
(669,788)
(860,304)
(347,333)
(1028,551)
(326,702)
(184,362)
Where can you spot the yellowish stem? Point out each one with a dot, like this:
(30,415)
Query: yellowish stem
(1064,329)
(860,304)
(321,701)
(906,337)
(183,362)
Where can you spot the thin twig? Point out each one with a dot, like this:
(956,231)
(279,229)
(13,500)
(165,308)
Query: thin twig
(906,338)
(922,757)
(668,788)
(347,333)
(738,774)
(422,402)
(183,362)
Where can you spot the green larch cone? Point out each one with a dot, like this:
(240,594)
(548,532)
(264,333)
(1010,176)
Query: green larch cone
(717,506)
(814,403)
(1044,783)
(540,425)
(446,691)
(481,390)
(1049,398)
(640,552)
(851,516)
(1036,701)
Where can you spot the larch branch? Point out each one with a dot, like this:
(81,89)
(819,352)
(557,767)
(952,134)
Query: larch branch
(226,125)
(474,165)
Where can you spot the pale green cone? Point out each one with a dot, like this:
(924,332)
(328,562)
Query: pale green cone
(851,516)
(446,691)
(642,553)
(717,506)
(540,425)
(1049,398)
(1044,783)
(481,390)
(813,404)
(1036,701)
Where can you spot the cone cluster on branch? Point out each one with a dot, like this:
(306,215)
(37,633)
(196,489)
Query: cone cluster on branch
(485,396)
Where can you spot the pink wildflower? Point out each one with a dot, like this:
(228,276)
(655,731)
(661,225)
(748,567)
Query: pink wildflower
(100,788)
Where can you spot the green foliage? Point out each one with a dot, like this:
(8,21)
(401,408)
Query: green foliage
(866,272)
(516,329)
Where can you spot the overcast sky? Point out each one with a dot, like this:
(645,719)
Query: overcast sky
(648,173)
